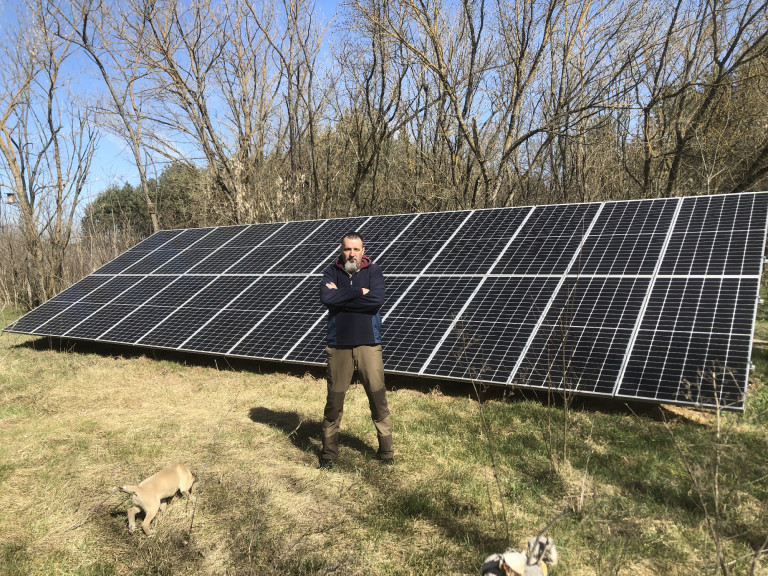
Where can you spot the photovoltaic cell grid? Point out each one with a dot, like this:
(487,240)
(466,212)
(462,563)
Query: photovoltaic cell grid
(644,299)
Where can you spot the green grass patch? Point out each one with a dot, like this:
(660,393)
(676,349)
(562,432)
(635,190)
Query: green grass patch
(639,489)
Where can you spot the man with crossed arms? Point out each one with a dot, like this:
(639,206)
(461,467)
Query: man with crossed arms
(353,291)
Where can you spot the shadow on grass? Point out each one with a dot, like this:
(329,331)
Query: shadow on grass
(394,381)
(436,503)
(183,358)
(302,432)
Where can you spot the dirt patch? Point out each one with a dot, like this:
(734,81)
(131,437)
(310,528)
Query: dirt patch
(702,417)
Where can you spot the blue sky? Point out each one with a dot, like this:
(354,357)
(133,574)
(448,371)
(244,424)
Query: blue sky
(113,163)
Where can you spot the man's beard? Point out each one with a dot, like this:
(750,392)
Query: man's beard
(352,267)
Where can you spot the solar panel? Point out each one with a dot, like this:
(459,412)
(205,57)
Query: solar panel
(651,300)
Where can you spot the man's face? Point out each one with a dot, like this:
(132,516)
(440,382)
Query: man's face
(352,252)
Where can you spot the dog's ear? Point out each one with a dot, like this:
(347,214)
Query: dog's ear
(537,546)
(542,549)
(550,554)
(533,548)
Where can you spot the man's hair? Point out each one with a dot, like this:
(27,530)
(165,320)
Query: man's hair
(352,236)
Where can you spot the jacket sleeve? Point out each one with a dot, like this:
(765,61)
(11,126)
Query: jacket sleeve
(350,299)
(336,298)
(372,301)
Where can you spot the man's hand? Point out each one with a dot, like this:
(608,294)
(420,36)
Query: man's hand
(332,286)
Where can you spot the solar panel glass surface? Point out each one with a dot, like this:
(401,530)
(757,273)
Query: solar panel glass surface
(645,299)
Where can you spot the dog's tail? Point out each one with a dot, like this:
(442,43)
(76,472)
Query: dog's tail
(128,488)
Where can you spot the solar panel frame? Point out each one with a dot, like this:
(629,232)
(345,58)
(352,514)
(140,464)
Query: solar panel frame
(638,299)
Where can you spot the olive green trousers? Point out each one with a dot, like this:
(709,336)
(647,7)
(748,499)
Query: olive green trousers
(342,362)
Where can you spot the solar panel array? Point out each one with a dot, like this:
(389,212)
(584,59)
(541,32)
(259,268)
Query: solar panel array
(643,299)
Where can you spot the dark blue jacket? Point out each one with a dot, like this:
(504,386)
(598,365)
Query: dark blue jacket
(354,319)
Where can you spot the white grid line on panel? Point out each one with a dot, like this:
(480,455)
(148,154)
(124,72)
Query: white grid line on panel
(709,334)
(582,329)
(728,347)
(633,239)
(222,274)
(245,228)
(731,232)
(60,312)
(139,307)
(396,238)
(717,229)
(646,299)
(265,316)
(257,279)
(757,278)
(47,320)
(688,348)
(471,297)
(319,319)
(143,276)
(683,234)
(103,305)
(267,271)
(115,277)
(236,262)
(721,391)
(167,316)
(307,333)
(435,255)
(479,232)
(747,231)
(555,292)
(155,249)
(616,331)
(211,231)
(569,275)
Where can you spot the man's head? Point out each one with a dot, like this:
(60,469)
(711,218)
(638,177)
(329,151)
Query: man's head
(352,251)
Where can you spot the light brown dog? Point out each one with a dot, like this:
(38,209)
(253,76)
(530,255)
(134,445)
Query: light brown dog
(150,494)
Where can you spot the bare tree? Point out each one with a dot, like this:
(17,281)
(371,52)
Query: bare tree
(509,83)
(103,32)
(447,41)
(247,82)
(682,76)
(47,145)
(373,103)
(248,58)
(588,69)
(296,41)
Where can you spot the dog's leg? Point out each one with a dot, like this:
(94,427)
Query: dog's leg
(147,519)
(132,518)
(150,512)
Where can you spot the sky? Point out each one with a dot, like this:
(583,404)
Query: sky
(113,163)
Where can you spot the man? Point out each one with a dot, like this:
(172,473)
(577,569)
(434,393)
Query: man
(353,291)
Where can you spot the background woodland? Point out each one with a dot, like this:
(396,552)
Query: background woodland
(238,111)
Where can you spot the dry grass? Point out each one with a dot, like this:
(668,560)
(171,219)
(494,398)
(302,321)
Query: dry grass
(76,423)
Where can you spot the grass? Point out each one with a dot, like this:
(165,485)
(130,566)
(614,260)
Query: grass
(77,420)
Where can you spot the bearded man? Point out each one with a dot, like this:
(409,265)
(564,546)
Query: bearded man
(353,291)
